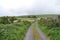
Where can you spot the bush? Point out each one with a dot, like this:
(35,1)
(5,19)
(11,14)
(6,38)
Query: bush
(51,27)
(13,31)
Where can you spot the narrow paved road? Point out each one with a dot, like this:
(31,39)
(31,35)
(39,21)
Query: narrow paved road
(30,35)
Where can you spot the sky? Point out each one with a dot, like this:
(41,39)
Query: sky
(29,7)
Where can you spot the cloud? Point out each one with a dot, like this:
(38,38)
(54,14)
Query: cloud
(46,7)
(13,12)
(29,7)
(15,7)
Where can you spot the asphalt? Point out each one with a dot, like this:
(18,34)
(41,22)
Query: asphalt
(30,35)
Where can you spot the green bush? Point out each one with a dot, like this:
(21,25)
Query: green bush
(13,31)
(50,27)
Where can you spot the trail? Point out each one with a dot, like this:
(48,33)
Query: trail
(30,35)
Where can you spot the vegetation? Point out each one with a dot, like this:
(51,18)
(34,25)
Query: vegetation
(7,20)
(13,31)
(50,26)
(15,28)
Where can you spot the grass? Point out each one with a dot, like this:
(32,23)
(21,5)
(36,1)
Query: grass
(53,34)
(14,31)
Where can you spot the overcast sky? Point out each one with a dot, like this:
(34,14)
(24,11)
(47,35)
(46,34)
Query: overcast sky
(29,7)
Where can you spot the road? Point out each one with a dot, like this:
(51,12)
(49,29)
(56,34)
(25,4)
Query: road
(30,35)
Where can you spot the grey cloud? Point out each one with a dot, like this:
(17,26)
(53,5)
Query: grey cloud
(38,7)
(45,7)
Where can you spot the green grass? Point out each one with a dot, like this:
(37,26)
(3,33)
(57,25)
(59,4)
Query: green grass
(53,33)
(14,31)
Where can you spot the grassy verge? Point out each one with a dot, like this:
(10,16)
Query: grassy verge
(45,31)
(53,34)
(35,33)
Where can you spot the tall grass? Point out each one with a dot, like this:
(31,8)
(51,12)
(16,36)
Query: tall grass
(50,28)
(13,31)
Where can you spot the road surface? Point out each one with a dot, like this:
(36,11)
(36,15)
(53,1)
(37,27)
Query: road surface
(30,35)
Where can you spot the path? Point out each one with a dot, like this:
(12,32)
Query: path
(30,35)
